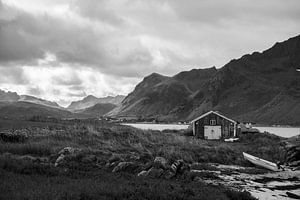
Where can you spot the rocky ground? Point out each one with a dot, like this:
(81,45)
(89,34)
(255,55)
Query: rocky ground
(261,183)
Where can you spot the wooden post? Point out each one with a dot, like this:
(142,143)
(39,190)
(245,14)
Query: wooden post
(234,130)
(194,129)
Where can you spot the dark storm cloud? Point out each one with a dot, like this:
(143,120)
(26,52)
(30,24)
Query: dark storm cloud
(134,38)
(25,37)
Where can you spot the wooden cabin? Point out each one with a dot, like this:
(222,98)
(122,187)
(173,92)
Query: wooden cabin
(214,126)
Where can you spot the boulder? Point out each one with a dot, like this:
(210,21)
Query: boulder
(59,160)
(295,163)
(28,158)
(292,154)
(143,173)
(176,165)
(67,150)
(126,167)
(160,162)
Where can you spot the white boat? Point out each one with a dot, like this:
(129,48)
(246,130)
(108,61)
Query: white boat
(231,139)
(261,162)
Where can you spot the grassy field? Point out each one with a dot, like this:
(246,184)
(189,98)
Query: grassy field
(27,180)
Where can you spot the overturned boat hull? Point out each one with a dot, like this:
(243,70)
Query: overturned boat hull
(261,162)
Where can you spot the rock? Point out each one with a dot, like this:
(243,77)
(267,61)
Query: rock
(28,158)
(43,159)
(59,160)
(126,167)
(155,173)
(160,162)
(143,173)
(295,163)
(134,157)
(67,150)
(292,154)
(176,165)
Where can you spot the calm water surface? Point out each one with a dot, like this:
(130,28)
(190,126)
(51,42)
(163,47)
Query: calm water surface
(280,131)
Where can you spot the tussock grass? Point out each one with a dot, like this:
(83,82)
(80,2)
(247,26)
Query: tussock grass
(114,138)
(25,148)
(104,185)
(27,180)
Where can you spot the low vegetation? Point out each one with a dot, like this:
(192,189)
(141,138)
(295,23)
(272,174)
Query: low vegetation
(105,140)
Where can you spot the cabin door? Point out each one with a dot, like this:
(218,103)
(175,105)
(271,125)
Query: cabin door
(212,132)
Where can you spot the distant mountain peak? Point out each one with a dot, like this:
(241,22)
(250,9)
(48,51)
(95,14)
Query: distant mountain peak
(91,100)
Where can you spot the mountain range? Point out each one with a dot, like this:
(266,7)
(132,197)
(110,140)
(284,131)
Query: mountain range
(262,87)
(91,100)
(14,97)
(17,106)
(259,87)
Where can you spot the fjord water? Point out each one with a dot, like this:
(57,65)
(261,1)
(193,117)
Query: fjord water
(280,131)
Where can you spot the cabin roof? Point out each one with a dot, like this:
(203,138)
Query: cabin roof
(215,112)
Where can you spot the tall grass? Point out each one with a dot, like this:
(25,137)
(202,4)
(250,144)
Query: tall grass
(25,148)
(114,138)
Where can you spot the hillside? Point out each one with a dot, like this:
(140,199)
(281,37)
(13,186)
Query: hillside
(36,100)
(97,110)
(26,110)
(261,87)
(91,100)
(14,97)
(8,96)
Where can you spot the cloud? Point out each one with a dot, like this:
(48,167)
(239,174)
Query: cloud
(35,91)
(107,46)
(13,75)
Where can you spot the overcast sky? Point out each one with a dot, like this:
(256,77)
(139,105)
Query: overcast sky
(63,50)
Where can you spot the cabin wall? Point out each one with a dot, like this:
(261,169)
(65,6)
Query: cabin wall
(227,127)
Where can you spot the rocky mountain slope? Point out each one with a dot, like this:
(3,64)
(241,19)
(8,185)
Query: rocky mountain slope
(261,87)
(97,110)
(91,100)
(14,97)
(36,100)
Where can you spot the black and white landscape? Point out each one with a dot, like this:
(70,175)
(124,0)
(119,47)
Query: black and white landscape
(118,99)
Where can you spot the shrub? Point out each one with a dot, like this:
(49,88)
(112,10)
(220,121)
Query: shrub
(13,137)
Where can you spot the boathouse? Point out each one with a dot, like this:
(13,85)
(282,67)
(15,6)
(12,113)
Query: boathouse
(214,126)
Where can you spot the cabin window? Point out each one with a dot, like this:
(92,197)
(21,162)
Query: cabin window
(213,122)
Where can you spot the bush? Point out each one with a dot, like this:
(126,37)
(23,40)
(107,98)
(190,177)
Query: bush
(13,137)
